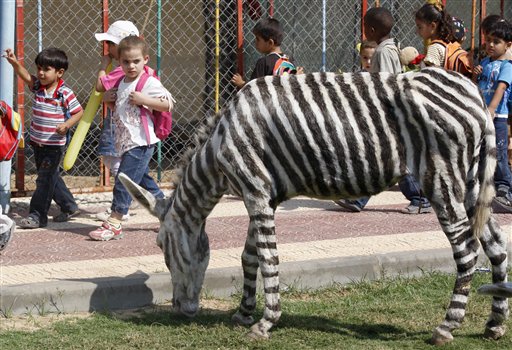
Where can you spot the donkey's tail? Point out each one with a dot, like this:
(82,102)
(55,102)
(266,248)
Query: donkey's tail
(486,170)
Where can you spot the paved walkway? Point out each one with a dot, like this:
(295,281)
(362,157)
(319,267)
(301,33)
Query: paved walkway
(61,269)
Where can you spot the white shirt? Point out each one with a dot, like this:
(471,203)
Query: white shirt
(129,130)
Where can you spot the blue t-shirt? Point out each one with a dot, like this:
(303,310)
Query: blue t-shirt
(494,72)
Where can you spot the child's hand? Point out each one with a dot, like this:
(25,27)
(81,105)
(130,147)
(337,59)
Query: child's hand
(105,61)
(62,129)
(477,70)
(136,98)
(238,81)
(110,96)
(10,56)
(300,70)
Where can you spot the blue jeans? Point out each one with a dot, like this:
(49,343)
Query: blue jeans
(5,185)
(409,187)
(49,184)
(502,176)
(135,165)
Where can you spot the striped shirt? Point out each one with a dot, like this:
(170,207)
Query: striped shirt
(49,110)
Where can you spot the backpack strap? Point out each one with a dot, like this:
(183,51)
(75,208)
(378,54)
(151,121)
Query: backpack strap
(65,110)
(144,112)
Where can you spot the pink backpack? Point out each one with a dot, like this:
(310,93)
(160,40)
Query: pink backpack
(162,121)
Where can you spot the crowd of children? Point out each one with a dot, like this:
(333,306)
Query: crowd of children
(128,139)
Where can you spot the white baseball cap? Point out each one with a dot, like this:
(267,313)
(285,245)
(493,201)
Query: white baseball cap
(118,31)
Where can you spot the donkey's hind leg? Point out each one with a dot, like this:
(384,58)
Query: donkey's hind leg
(250,267)
(495,247)
(465,246)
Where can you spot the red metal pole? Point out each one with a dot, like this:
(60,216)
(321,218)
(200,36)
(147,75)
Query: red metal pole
(364,8)
(502,8)
(483,14)
(473,25)
(271,8)
(104,171)
(240,37)
(20,96)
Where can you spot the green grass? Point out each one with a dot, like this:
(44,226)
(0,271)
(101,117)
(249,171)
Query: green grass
(394,313)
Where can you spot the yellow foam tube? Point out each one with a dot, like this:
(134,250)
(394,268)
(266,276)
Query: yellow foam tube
(83,127)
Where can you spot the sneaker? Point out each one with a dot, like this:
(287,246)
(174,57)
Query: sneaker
(416,209)
(103,216)
(106,232)
(63,216)
(503,202)
(349,205)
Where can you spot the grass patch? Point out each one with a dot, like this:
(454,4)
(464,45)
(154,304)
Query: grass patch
(393,313)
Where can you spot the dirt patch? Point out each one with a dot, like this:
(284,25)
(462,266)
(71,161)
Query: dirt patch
(35,323)
(32,323)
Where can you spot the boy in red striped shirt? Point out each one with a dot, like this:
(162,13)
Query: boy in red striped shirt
(55,110)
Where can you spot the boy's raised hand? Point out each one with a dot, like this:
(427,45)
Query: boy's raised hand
(238,81)
(10,56)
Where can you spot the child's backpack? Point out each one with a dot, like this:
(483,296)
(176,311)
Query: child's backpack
(11,132)
(162,121)
(283,66)
(456,58)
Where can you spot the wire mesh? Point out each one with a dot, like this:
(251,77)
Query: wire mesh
(187,61)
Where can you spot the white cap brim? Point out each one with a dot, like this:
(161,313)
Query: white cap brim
(107,37)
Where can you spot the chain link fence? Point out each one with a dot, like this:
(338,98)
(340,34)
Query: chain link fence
(319,35)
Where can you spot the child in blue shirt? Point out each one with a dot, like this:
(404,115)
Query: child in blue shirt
(495,84)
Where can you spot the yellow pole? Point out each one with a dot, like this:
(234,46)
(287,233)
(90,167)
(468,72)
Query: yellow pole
(217,54)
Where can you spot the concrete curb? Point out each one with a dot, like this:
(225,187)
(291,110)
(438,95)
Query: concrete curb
(108,294)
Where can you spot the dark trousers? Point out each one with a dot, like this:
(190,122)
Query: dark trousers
(49,183)
(502,176)
(409,187)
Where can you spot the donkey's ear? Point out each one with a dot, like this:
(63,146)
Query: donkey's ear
(144,197)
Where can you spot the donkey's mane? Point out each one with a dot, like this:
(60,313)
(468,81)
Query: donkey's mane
(200,137)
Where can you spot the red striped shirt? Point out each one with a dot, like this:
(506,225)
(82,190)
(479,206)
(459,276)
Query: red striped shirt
(49,111)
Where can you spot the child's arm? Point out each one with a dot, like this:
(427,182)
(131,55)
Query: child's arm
(238,81)
(63,128)
(158,104)
(19,69)
(496,98)
(105,61)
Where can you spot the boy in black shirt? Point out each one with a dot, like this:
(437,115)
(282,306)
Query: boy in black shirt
(269,35)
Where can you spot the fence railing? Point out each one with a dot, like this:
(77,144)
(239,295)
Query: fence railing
(197,45)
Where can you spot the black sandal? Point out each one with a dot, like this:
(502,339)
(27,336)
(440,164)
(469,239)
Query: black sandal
(29,222)
(63,216)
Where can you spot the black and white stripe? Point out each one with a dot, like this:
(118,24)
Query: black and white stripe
(336,136)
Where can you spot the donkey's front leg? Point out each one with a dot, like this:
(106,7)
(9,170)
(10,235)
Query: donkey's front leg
(269,265)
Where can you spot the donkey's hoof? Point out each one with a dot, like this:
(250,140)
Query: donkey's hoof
(441,337)
(242,320)
(258,333)
(495,333)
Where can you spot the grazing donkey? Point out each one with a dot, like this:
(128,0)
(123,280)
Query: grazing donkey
(333,136)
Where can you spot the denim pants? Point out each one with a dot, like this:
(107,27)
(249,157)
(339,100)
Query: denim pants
(410,189)
(135,165)
(49,184)
(5,185)
(502,176)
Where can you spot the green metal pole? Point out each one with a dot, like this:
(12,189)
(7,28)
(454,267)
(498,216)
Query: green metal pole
(158,58)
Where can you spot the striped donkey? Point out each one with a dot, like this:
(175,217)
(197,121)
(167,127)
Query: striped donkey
(334,136)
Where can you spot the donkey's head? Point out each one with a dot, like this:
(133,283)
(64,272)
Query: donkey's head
(184,243)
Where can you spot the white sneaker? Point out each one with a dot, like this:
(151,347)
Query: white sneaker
(103,216)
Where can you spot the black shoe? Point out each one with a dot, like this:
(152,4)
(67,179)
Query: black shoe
(63,217)
(349,205)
